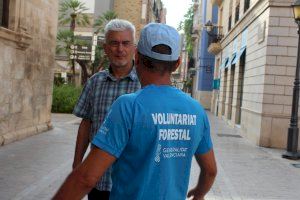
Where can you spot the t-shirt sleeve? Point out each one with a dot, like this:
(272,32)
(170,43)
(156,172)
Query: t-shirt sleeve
(205,144)
(113,135)
(83,108)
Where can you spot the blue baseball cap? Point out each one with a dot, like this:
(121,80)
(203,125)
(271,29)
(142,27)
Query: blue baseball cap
(155,34)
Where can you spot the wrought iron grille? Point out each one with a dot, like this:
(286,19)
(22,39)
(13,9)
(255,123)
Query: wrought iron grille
(215,35)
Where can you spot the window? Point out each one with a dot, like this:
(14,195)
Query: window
(229,23)
(237,12)
(246,5)
(230,15)
(4,7)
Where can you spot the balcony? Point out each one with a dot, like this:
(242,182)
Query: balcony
(214,48)
(215,36)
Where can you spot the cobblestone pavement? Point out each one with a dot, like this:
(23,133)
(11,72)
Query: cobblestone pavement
(33,168)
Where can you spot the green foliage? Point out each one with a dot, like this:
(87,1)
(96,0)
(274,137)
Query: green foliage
(101,60)
(73,10)
(65,98)
(102,20)
(187,27)
(58,81)
(188,84)
(66,38)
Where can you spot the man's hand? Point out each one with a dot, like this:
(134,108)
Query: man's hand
(207,164)
(195,194)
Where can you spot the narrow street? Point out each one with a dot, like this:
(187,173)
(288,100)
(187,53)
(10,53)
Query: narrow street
(33,168)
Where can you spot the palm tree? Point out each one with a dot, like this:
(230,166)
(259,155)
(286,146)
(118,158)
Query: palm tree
(66,38)
(64,41)
(102,20)
(101,59)
(72,12)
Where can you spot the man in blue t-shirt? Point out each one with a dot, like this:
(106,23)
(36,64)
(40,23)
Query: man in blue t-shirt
(150,136)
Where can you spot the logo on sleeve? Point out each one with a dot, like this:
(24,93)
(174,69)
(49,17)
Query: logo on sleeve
(158,152)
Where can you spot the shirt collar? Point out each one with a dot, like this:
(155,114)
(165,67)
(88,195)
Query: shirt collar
(132,74)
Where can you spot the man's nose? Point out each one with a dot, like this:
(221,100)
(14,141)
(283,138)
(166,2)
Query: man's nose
(120,46)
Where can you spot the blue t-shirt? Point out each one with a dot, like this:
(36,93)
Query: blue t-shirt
(154,134)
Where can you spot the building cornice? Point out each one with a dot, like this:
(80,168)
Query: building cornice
(21,39)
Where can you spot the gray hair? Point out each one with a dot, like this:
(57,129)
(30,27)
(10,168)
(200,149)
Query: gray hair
(119,25)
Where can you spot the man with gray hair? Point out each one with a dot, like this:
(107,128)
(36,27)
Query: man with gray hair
(102,89)
(151,135)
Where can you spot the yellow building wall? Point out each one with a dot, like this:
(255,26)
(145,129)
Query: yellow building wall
(130,10)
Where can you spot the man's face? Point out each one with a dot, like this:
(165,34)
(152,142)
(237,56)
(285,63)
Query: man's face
(120,48)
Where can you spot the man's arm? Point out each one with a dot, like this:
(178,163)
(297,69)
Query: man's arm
(85,176)
(82,141)
(207,175)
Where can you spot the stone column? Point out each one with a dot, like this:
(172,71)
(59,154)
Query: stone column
(236,105)
(228,100)
(222,94)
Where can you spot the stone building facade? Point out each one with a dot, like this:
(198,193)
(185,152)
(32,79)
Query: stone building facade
(27,50)
(140,12)
(204,11)
(256,65)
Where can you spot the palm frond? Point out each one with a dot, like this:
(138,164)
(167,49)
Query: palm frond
(69,7)
(102,20)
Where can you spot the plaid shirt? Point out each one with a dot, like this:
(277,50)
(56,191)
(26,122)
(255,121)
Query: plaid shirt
(100,91)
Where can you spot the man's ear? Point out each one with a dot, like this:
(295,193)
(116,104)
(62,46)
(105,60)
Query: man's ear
(177,64)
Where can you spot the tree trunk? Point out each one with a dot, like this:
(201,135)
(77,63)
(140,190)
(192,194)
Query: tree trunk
(84,71)
(72,28)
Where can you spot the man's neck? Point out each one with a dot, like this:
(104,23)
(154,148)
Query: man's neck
(156,80)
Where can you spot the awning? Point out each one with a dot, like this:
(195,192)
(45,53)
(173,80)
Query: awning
(238,55)
(234,58)
(224,63)
(242,51)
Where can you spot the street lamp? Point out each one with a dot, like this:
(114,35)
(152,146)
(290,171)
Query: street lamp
(209,26)
(213,30)
(293,131)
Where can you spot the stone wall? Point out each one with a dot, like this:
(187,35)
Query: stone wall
(26,69)
(130,10)
(265,82)
(281,55)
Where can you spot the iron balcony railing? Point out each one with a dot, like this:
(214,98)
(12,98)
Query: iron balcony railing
(215,34)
